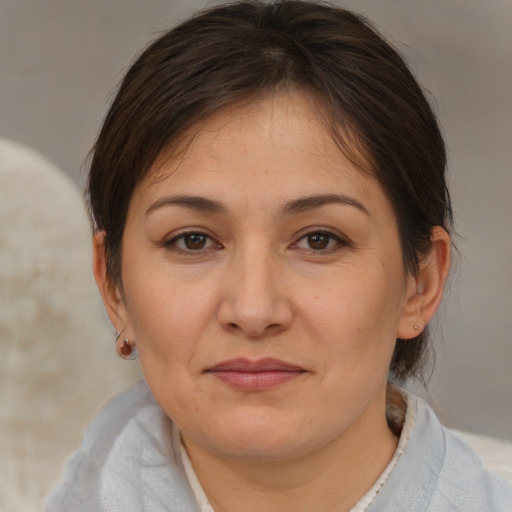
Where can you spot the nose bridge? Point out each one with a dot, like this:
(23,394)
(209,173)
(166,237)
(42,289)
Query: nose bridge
(253,291)
(254,301)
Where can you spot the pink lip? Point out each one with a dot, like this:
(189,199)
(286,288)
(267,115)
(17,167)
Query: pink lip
(258,375)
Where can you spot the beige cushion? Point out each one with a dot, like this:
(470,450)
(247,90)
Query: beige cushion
(57,364)
(496,454)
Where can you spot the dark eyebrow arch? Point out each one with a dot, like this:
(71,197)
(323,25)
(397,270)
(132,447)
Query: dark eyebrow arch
(304,204)
(199,204)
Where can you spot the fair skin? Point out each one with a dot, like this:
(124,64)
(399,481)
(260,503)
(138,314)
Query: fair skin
(262,241)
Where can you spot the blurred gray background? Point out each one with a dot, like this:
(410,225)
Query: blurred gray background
(61,60)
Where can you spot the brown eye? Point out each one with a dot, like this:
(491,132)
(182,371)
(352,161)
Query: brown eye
(195,241)
(192,242)
(318,241)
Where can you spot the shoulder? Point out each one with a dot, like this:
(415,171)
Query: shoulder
(460,483)
(464,484)
(128,461)
(439,472)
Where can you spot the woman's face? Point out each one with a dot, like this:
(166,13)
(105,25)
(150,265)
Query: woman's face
(263,284)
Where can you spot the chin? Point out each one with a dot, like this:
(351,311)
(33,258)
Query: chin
(264,439)
(260,448)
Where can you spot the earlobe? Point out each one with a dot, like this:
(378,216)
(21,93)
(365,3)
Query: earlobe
(425,289)
(110,292)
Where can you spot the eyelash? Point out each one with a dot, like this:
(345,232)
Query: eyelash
(211,244)
(331,237)
(173,242)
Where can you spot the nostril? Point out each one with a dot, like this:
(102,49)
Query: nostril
(248,313)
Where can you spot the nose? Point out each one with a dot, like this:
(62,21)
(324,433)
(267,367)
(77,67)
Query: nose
(254,299)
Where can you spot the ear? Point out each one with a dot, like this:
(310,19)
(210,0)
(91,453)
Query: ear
(425,289)
(111,293)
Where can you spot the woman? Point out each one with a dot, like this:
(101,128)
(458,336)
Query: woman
(271,235)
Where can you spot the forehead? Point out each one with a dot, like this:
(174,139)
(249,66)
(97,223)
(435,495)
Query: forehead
(280,139)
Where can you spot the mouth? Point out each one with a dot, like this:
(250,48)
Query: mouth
(260,375)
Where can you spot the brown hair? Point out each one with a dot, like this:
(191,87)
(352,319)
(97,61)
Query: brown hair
(371,101)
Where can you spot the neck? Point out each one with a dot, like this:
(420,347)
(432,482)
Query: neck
(333,477)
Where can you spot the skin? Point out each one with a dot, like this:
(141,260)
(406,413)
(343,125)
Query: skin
(319,284)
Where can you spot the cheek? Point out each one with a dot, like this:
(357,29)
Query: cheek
(167,315)
(169,321)
(354,318)
(359,299)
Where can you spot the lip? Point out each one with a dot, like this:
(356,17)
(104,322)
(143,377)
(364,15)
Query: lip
(259,375)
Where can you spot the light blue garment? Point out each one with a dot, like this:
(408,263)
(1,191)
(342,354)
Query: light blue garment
(129,463)
(438,472)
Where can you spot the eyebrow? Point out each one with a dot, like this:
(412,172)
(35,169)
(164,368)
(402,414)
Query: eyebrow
(300,205)
(304,204)
(197,203)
